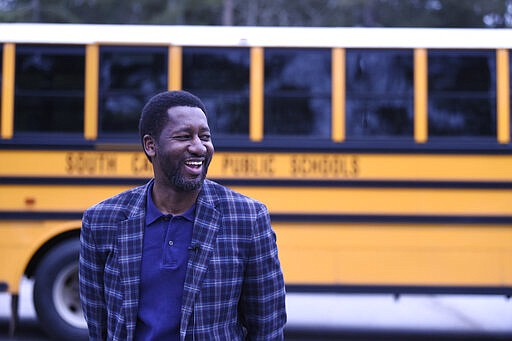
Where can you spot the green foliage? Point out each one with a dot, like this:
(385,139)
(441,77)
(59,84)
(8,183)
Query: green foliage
(369,13)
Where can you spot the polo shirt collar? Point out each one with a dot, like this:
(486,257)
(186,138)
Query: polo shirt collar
(153,213)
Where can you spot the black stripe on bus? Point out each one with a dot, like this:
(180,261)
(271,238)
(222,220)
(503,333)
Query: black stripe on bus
(3,287)
(392,218)
(397,289)
(367,183)
(75,181)
(132,181)
(466,146)
(40,215)
(396,146)
(301,218)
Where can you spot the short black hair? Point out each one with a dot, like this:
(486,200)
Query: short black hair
(155,113)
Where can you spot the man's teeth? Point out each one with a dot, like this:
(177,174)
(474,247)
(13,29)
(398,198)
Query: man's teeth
(194,163)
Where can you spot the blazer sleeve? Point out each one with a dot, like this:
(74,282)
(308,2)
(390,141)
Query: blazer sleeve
(263,295)
(91,267)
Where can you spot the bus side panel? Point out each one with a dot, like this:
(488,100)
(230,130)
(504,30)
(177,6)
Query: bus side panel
(408,254)
(21,240)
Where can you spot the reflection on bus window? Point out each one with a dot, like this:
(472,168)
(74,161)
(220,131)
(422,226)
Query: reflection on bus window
(220,77)
(49,93)
(129,76)
(462,93)
(298,92)
(379,97)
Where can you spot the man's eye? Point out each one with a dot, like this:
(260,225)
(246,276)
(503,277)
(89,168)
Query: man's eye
(205,137)
(181,137)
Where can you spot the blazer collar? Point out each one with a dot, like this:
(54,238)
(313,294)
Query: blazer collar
(130,244)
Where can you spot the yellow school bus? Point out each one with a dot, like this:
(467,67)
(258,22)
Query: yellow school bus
(383,155)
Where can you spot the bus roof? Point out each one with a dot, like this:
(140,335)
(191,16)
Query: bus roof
(244,36)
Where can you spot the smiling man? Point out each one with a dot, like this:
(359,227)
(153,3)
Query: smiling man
(182,257)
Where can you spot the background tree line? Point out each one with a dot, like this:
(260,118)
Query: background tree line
(367,13)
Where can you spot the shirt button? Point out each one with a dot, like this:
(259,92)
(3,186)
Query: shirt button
(171,243)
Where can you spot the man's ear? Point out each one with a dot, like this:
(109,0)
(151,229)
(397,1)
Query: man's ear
(149,145)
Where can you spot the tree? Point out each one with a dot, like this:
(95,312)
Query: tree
(368,13)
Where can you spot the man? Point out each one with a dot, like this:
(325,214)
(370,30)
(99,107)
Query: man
(182,257)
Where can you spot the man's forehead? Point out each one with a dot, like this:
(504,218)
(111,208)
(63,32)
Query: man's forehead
(185,108)
(187,116)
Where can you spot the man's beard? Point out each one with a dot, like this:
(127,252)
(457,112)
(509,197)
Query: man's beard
(179,181)
(185,185)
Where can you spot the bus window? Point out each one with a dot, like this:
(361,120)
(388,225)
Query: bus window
(379,97)
(49,89)
(1,79)
(462,93)
(220,77)
(298,92)
(129,76)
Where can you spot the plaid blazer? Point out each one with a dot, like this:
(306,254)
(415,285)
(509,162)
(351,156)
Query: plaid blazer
(234,288)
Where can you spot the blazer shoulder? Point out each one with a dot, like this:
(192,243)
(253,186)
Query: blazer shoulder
(223,197)
(120,206)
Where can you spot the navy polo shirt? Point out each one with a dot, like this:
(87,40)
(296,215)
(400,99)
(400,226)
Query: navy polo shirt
(164,263)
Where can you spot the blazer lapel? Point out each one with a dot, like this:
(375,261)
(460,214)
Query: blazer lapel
(130,256)
(130,244)
(206,226)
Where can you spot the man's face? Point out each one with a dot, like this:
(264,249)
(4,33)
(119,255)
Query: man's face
(184,150)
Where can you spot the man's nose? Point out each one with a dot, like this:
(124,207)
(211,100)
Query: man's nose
(197,146)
